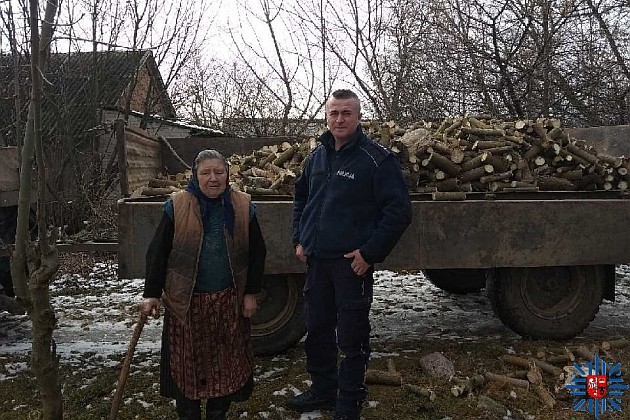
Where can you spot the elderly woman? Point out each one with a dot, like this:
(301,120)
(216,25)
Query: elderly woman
(205,264)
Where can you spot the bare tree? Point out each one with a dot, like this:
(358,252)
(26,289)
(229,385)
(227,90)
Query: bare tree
(283,67)
(33,265)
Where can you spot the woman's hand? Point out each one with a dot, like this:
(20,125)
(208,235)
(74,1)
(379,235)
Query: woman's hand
(250,305)
(150,307)
(299,252)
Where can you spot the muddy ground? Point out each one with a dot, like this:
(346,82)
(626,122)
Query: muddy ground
(411,318)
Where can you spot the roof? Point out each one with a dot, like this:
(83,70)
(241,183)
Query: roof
(71,99)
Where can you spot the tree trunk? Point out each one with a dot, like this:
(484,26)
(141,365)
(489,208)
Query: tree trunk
(33,267)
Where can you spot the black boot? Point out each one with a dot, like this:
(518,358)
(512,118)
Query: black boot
(217,408)
(306,402)
(188,409)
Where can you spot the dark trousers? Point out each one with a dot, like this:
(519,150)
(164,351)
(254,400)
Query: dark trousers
(187,409)
(337,305)
(216,408)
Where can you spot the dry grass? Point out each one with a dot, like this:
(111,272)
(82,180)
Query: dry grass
(87,392)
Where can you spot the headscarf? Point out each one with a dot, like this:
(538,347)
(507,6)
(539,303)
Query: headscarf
(205,202)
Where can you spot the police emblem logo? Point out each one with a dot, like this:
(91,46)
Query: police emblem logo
(597,386)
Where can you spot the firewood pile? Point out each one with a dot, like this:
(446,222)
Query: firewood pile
(461,155)
(481,154)
(546,374)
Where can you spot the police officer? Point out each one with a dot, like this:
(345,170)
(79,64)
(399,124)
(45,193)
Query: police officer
(351,207)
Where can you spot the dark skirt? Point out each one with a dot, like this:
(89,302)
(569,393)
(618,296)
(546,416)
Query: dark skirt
(210,355)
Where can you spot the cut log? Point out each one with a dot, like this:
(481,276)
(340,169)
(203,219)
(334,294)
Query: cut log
(451,184)
(445,164)
(614,161)
(163,183)
(448,196)
(476,173)
(499,163)
(518,383)
(474,162)
(496,177)
(489,144)
(483,132)
(552,183)
(615,344)
(420,391)
(457,155)
(468,385)
(381,377)
(583,154)
(584,352)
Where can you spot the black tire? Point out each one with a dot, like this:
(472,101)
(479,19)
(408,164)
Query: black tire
(554,303)
(279,322)
(460,281)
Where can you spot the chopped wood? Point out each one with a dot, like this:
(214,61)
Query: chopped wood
(447,185)
(500,150)
(538,153)
(499,163)
(381,377)
(495,178)
(520,374)
(445,164)
(489,144)
(420,391)
(615,344)
(614,161)
(163,183)
(486,403)
(474,162)
(518,383)
(457,155)
(468,385)
(544,395)
(584,352)
(491,132)
(260,191)
(529,361)
(476,173)
(551,183)
(448,196)
(581,153)
(559,358)
(150,191)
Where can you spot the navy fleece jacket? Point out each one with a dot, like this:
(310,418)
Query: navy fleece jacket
(353,198)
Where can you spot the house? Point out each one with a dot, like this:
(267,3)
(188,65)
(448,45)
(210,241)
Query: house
(78,86)
(84,92)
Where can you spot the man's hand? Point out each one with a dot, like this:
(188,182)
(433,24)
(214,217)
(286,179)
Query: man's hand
(359,266)
(150,307)
(299,252)
(250,305)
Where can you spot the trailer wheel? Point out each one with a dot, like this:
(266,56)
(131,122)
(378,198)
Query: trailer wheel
(279,322)
(460,281)
(546,302)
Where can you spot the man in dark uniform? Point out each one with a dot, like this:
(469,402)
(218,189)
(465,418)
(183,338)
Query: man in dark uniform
(351,208)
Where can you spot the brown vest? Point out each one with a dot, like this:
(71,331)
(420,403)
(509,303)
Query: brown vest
(183,261)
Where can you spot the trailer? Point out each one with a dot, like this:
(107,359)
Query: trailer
(547,259)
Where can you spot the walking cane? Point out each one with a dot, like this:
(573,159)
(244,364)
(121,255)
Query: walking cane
(124,373)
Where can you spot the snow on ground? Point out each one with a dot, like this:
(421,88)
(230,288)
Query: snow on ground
(97,314)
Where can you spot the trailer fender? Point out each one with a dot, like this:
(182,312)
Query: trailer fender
(459,281)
